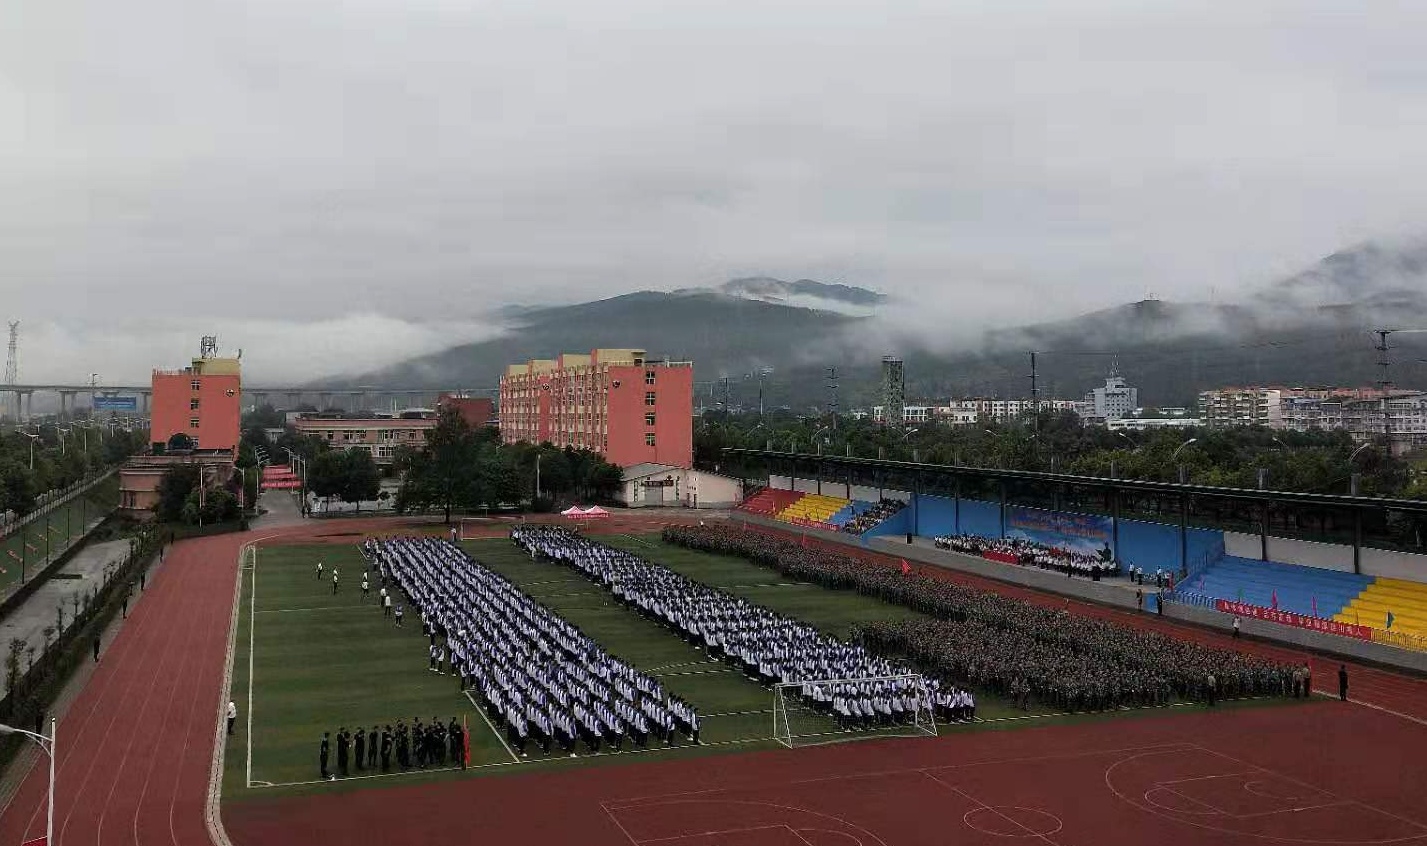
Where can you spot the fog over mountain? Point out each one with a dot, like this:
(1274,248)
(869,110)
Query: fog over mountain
(1311,328)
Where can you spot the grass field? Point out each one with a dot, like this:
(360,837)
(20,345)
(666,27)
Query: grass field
(321,661)
(65,522)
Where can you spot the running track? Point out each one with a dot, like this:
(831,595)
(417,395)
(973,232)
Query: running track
(137,745)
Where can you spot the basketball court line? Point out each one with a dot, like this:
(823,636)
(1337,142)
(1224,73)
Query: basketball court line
(1159,747)
(1419,825)
(983,806)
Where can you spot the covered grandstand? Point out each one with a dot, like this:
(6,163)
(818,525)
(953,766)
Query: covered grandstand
(1319,556)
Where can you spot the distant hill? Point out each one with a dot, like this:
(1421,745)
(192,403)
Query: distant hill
(1313,328)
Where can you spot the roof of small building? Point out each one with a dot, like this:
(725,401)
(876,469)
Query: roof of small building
(647,469)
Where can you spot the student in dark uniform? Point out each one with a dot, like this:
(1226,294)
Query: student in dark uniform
(455,741)
(386,749)
(344,741)
(418,742)
(322,754)
(372,749)
(403,751)
(360,747)
(438,741)
(1343,682)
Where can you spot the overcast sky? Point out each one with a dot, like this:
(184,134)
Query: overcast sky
(390,169)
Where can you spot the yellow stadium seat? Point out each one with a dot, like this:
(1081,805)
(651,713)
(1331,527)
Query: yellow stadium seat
(815,508)
(1406,600)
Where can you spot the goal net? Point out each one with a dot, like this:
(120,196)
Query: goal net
(834,710)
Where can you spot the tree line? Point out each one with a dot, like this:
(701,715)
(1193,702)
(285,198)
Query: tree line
(1315,461)
(52,459)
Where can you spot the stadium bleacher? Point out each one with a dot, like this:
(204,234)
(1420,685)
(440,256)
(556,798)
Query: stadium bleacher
(1309,591)
(1406,600)
(813,509)
(770,501)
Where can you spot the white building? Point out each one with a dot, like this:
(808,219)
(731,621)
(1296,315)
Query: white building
(652,485)
(1113,400)
(1406,423)
(1140,424)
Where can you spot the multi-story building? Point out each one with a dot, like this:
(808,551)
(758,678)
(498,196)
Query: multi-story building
(202,401)
(617,402)
(1401,418)
(965,412)
(381,436)
(476,411)
(1294,409)
(1111,401)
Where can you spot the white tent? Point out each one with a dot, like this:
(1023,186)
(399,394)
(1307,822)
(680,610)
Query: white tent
(594,512)
(574,513)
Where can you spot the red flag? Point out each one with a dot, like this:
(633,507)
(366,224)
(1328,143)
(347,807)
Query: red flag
(465,741)
(906,568)
(1274,599)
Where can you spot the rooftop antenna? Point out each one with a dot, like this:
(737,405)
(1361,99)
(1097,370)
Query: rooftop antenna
(208,347)
(12,360)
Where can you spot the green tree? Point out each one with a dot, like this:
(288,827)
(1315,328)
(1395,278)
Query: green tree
(326,475)
(444,472)
(178,482)
(361,478)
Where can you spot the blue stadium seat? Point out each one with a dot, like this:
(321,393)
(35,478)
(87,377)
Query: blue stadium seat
(1297,587)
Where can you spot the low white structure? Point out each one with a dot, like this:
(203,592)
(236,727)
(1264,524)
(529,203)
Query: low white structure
(662,485)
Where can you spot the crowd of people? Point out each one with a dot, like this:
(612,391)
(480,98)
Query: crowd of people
(873,516)
(419,746)
(1031,554)
(767,646)
(1018,649)
(540,676)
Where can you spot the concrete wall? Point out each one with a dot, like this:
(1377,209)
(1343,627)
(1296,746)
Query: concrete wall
(782,483)
(1155,545)
(806,485)
(863,493)
(712,490)
(1395,565)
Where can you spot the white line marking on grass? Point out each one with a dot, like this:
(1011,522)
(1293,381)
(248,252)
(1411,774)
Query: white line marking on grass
(297,610)
(515,759)
(252,627)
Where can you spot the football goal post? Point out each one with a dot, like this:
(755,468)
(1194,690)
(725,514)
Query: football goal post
(834,710)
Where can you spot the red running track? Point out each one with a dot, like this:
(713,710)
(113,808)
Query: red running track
(1309,774)
(137,744)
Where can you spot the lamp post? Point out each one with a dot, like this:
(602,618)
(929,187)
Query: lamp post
(47,745)
(1175,456)
(32,438)
(1354,477)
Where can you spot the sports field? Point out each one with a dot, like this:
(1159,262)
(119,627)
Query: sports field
(320,661)
(62,524)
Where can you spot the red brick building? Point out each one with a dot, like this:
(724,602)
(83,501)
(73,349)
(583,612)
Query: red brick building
(202,401)
(476,411)
(612,401)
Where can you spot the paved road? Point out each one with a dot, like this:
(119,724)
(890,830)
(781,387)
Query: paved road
(85,572)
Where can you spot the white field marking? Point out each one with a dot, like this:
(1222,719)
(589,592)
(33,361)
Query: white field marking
(252,629)
(514,758)
(299,610)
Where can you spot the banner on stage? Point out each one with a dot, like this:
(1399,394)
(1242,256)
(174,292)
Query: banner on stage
(1088,534)
(1288,618)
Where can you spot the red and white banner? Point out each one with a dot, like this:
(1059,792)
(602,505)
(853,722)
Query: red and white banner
(1288,618)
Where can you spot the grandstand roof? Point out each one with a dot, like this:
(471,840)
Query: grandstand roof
(1139,485)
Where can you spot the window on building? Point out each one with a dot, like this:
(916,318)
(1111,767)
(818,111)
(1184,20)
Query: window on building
(649,419)
(649,377)
(193,404)
(649,398)
(649,439)
(193,422)
(196,384)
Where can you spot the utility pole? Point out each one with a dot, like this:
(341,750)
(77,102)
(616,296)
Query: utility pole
(1035,411)
(12,364)
(1384,382)
(832,396)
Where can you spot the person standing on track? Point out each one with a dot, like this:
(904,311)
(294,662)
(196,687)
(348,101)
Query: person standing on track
(1343,682)
(398,612)
(232,716)
(1211,688)
(344,742)
(96,649)
(322,754)
(360,747)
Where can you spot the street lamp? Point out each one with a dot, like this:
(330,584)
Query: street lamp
(1128,439)
(1178,450)
(32,438)
(47,745)
(1354,477)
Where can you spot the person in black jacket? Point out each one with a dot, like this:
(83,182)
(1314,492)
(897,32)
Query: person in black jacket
(360,747)
(322,756)
(1343,682)
(343,744)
